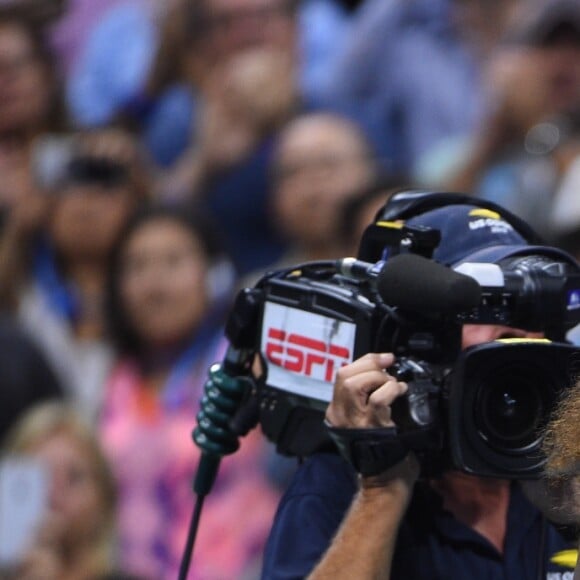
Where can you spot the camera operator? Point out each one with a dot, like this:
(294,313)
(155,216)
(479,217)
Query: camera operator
(333,523)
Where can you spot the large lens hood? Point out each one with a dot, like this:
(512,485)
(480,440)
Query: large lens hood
(501,395)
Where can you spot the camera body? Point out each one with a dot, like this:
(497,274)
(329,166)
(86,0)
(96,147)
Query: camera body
(500,396)
(480,409)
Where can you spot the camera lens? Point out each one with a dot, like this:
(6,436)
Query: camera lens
(510,409)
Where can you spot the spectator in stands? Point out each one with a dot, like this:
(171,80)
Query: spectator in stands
(239,60)
(321,160)
(227,75)
(145,39)
(76,539)
(524,146)
(168,287)
(412,72)
(55,247)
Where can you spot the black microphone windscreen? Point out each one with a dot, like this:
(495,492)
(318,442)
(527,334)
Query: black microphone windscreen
(416,283)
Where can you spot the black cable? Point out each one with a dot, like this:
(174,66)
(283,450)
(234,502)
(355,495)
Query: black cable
(191,535)
(222,401)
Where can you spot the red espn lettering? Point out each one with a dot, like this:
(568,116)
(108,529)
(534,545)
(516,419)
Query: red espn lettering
(301,354)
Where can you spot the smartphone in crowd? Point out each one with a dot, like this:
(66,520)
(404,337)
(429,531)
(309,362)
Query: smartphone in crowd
(57,161)
(23,504)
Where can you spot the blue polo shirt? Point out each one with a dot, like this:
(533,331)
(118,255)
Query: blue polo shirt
(432,544)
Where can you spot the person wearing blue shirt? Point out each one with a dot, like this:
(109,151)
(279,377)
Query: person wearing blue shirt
(413,72)
(128,35)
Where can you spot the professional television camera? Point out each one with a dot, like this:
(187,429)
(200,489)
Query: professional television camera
(480,409)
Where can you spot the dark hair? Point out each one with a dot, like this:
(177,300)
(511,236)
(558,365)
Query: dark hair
(42,52)
(39,12)
(544,24)
(197,15)
(199,225)
(383,186)
(568,241)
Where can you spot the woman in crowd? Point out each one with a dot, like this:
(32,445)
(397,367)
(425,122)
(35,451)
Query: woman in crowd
(224,83)
(168,287)
(76,539)
(55,247)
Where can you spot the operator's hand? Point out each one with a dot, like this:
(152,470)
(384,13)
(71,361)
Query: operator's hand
(365,542)
(364,392)
(362,398)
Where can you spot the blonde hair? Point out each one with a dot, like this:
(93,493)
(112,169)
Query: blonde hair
(54,418)
(562,436)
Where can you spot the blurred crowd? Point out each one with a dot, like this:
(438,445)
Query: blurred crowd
(157,155)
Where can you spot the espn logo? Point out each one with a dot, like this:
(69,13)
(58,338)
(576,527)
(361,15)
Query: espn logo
(305,356)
